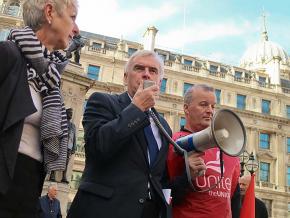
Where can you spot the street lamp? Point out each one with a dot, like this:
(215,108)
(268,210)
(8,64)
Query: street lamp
(248,160)
(244,157)
(252,164)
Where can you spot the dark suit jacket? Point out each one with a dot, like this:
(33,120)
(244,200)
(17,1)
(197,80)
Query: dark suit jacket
(260,209)
(47,210)
(16,104)
(117,173)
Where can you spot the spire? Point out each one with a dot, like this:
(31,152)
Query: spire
(264,33)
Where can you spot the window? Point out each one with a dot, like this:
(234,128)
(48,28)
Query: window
(264,140)
(247,75)
(75,179)
(264,172)
(262,81)
(3,34)
(213,68)
(131,51)
(163,85)
(288,111)
(288,175)
(265,106)
(186,86)
(288,144)
(238,75)
(13,9)
(285,83)
(187,62)
(182,122)
(197,64)
(163,57)
(241,102)
(93,72)
(218,96)
(224,70)
(96,45)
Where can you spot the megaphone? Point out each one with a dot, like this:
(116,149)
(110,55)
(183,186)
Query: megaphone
(226,132)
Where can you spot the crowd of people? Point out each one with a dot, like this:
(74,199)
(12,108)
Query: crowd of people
(131,170)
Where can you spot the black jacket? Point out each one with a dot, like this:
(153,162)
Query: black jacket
(260,209)
(16,104)
(117,173)
(49,208)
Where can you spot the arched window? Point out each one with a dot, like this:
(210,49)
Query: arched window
(15,3)
(13,8)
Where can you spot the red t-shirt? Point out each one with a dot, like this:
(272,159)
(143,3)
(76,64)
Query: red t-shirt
(215,203)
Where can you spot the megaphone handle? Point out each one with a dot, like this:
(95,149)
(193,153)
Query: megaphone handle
(187,170)
(183,152)
(221,164)
(179,150)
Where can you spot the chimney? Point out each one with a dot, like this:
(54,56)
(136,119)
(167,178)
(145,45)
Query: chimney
(149,38)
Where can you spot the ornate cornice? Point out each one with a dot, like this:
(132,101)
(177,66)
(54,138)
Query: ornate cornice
(265,154)
(258,115)
(171,98)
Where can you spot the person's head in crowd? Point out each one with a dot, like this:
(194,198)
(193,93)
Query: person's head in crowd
(199,104)
(52,192)
(53,21)
(143,65)
(244,184)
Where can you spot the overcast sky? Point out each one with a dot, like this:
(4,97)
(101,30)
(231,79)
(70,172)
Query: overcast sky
(219,30)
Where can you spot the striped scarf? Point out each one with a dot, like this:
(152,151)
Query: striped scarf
(43,71)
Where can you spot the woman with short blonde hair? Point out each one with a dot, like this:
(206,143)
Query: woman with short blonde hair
(33,122)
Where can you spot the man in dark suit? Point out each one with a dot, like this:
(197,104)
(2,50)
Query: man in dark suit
(125,152)
(260,207)
(49,204)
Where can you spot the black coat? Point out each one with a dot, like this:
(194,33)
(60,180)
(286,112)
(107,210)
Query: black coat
(260,209)
(117,173)
(16,104)
(49,209)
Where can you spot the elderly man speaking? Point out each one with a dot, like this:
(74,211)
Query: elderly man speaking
(125,153)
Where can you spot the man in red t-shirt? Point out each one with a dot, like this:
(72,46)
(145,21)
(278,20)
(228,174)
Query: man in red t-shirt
(218,202)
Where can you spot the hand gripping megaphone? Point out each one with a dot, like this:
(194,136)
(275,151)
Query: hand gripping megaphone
(226,132)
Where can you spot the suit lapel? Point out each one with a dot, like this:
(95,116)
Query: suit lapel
(140,137)
(124,101)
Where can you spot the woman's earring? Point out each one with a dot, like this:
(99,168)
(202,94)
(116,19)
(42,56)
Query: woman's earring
(49,22)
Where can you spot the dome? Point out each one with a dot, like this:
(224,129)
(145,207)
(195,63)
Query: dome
(260,54)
